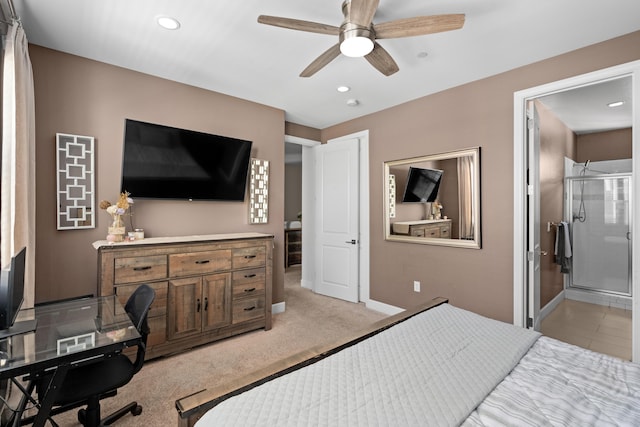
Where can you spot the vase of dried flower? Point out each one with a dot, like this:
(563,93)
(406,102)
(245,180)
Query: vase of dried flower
(117,229)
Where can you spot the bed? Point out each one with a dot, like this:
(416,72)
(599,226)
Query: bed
(437,365)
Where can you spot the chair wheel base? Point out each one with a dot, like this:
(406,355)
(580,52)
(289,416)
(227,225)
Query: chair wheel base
(136,410)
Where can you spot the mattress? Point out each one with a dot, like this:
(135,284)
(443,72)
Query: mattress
(432,369)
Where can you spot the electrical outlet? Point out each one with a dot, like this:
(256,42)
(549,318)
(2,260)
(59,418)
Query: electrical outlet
(416,286)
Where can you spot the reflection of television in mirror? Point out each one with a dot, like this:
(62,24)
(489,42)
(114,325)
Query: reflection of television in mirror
(422,185)
(11,297)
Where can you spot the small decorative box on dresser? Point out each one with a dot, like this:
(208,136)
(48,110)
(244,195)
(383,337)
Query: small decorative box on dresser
(207,287)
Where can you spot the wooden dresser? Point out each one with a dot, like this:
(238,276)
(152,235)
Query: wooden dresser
(207,287)
(435,228)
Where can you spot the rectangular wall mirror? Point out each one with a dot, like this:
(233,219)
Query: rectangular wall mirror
(435,199)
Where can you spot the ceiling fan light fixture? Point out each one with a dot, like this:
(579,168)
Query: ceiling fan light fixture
(356,42)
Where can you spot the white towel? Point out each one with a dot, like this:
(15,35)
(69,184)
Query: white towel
(567,240)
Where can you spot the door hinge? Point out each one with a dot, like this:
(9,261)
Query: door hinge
(529,322)
(530,256)
(529,123)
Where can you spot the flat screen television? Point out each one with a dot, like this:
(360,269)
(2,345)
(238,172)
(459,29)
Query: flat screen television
(162,162)
(11,297)
(422,185)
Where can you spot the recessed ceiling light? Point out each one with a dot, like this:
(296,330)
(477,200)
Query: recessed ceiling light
(353,102)
(422,54)
(615,104)
(344,88)
(168,22)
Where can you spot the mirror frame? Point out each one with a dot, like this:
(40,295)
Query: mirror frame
(389,200)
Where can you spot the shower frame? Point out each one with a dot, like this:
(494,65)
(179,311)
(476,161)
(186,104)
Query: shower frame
(570,218)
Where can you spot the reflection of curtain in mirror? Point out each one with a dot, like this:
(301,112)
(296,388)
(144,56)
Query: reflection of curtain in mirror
(465,195)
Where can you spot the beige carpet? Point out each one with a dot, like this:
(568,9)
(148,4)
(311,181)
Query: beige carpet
(309,320)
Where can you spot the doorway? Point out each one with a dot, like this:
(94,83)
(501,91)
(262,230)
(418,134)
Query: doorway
(524,221)
(310,212)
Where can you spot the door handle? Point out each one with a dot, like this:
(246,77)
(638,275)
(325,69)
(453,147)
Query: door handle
(352,241)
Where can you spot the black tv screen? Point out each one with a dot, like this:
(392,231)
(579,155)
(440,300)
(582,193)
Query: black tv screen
(422,185)
(162,162)
(12,289)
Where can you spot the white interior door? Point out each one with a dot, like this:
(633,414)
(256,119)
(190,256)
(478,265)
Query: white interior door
(337,219)
(533,212)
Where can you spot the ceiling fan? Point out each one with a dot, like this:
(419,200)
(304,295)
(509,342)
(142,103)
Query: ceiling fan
(358,34)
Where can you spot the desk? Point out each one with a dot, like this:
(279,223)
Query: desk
(67,334)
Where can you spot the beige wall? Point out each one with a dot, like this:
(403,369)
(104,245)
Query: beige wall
(610,145)
(300,131)
(79,96)
(475,114)
(292,191)
(556,142)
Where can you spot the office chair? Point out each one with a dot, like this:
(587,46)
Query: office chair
(87,384)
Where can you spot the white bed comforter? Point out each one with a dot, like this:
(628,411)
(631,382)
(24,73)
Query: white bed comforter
(558,384)
(456,359)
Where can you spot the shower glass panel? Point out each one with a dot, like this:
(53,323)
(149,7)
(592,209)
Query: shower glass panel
(600,229)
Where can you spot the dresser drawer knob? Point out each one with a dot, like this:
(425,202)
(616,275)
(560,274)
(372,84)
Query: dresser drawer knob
(249,276)
(203,261)
(146,267)
(250,308)
(249,256)
(250,290)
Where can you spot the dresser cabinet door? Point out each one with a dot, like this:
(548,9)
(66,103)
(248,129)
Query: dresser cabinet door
(216,293)
(184,307)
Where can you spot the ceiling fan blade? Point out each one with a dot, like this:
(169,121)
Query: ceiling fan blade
(361,11)
(297,24)
(322,60)
(418,26)
(381,60)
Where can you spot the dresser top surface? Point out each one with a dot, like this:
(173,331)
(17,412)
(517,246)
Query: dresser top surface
(181,239)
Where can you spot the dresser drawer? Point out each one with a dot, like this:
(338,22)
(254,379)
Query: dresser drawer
(140,269)
(248,276)
(159,305)
(248,282)
(248,309)
(199,262)
(249,257)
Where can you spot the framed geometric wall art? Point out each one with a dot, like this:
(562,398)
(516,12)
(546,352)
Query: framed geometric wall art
(75,181)
(259,192)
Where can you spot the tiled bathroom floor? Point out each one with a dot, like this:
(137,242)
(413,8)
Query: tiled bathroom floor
(596,327)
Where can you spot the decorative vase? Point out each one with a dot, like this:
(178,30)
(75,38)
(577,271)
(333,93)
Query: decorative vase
(117,229)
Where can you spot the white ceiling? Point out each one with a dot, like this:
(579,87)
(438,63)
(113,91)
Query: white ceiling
(221,47)
(586,109)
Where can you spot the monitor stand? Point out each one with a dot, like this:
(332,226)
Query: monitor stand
(19,328)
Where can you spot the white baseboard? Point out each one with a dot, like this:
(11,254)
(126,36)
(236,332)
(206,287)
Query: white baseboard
(551,305)
(618,301)
(307,284)
(278,307)
(382,307)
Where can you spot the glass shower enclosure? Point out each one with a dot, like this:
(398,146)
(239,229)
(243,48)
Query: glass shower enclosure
(599,212)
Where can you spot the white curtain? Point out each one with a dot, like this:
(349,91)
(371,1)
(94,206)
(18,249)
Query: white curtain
(465,194)
(17,204)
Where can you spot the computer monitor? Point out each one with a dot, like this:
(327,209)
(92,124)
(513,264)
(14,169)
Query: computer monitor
(12,296)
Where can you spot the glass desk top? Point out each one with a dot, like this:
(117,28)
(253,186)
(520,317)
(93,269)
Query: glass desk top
(66,331)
